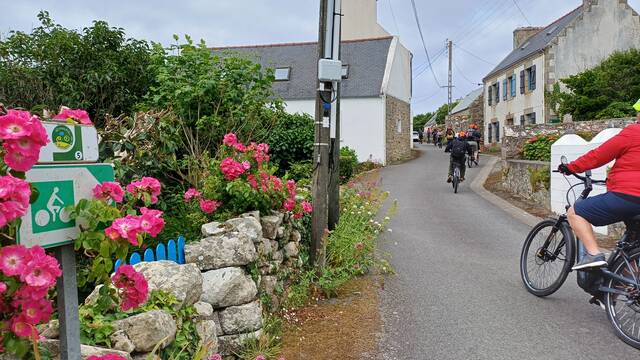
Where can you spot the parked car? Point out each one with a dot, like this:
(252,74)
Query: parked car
(416,136)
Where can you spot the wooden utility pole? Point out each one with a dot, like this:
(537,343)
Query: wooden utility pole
(334,166)
(319,218)
(450,84)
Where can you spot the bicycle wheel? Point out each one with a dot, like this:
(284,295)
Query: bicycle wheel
(470,161)
(547,257)
(623,311)
(456,179)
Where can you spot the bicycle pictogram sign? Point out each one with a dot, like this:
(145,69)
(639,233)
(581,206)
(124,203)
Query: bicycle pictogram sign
(48,212)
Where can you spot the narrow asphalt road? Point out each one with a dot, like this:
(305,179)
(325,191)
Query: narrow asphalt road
(458,294)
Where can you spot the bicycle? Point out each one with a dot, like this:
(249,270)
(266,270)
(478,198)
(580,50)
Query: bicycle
(456,177)
(618,282)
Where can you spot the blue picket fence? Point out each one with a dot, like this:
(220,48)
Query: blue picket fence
(173,251)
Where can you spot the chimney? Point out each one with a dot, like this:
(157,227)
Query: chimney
(522,34)
(360,20)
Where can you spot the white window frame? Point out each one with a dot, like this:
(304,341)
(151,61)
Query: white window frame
(288,76)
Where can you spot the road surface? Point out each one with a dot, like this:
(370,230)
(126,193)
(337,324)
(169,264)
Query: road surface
(458,294)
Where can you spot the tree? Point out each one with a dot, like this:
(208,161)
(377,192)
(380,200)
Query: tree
(608,90)
(443,111)
(98,69)
(420,120)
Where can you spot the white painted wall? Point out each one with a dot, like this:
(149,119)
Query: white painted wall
(573,146)
(397,78)
(609,25)
(360,20)
(362,125)
(515,106)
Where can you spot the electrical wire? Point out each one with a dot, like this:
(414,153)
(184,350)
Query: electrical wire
(474,55)
(522,12)
(493,25)
(475,83)
(494,10)
(424,45)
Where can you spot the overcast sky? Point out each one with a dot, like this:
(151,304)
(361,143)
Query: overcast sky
(479,27)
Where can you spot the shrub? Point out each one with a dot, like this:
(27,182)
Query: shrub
(348,164)
(291,141)
(301,171)
(540,177)
(539,148)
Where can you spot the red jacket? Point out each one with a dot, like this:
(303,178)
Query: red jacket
(624,177)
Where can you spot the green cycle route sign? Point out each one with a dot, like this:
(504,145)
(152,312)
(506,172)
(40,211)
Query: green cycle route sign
(69,143)
(46,222)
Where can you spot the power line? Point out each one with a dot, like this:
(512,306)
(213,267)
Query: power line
(522,12)
(482,22)
(475,56)
(424,45)
(424,68)
(505,13)
(463,75)
(478,21)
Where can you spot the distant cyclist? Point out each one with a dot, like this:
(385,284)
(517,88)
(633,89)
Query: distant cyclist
(459,148)
(450,135)
(473,137)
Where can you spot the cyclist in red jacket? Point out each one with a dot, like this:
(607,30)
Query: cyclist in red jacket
(621,202)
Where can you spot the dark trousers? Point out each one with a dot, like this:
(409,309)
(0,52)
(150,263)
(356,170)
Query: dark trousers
(461,164)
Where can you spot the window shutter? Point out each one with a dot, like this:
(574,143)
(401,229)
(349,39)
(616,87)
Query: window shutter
(505,90)
(497,92)
(533,77)
(521,120)
(489,132)
(497,126)
(522,82)
(490,96)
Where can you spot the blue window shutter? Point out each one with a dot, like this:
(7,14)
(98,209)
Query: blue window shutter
(513,86)
(504,89)
(490,95)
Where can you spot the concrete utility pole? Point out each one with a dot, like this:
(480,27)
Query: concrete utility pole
(319,219)
(334,166)
(450,84)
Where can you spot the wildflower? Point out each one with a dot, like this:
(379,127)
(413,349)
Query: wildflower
(13,259)
(231,169)
(109,190)
(133,285)
(192,194)
(146,186)
(359,246)
(209,206)
(306,207)
(291,188)
(75,115)
(41,270)
(261,357)
(151,221)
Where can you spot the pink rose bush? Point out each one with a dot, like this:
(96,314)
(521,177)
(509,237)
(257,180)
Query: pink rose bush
(73,115)
(147,189)
(132,285)
(22,136)
(243,181)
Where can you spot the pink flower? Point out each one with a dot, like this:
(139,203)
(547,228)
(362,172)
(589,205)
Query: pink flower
(191,194)
(262,153)
(264,181)
(127,227)
(209,206)
(19,161)
(289,205)
(306,207)
(231,169)
(147,185)
(277,183)
(151,221)
(261,357)
(28,293)
(246,165)
(35,312)
(215,356)
(15,124)
(252,181)
(107,357)
(41,270)
(230,139)
(77,115)
(112,233)
(298,215)
(240,147)
(109,191)
(22,328)
(14,198)
(133,285)
(3,287)
(13,259)
(291,188)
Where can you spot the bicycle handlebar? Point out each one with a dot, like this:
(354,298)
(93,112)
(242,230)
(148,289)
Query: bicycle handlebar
(585,178)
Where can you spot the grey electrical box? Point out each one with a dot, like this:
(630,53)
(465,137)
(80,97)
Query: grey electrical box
(329,70)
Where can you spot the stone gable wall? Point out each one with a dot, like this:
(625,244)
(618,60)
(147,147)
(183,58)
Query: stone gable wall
(398,146)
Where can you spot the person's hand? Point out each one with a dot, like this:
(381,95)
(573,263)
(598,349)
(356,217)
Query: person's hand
(564,169)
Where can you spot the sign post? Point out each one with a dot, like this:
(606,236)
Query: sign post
(73,149)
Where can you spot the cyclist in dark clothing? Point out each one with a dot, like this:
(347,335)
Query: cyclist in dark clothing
(459,148)
(450,135)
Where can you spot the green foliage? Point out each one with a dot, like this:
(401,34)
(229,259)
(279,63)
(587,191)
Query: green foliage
(301,170)
(608,90)
(291,141)
(540,177)
(348,164)
(443,111)
(98,69)
(420,120)
(539,148)
(268,344)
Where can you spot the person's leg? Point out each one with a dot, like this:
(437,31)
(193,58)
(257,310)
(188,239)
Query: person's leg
(450,166)
(463,169)
(584,231)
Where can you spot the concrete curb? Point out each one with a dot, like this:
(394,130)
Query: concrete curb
(478,187)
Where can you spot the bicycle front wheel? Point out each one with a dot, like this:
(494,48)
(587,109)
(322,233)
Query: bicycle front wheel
(546,258)
(623,307)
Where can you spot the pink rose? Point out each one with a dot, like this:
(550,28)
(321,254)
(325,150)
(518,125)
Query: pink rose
(230,139)
(306,207)
(109,191)
(209,206)
(191,194)
(14,259)
(41,270)
(76,115)
(147,185)
(133,286)
(151,221)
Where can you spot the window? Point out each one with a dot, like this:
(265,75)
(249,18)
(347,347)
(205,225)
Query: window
(531,118)
(490,95)
(399,126)
(282,74)
(522,82)
(345,71)
(531,74)
(509,121)
(512,86)
(504,90)
(490,133)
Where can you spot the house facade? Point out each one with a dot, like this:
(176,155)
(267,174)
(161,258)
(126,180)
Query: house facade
(470,110)
(515,89)
(376,86)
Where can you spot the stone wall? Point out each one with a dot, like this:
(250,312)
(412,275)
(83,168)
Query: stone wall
(516,136)
(517,176)
(474,114)
(398,144)
(226,275)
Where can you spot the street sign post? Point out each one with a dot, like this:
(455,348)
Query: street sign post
(46,222)
(69,143)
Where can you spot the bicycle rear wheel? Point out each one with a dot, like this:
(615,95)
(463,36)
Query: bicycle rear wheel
(547,257)
(623,311)
(456,179)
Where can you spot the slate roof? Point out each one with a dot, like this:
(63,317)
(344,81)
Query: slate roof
(537,42)
(466,102)
(366,58)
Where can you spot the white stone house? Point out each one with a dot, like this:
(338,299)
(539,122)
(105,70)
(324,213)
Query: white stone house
(376,87)
(541,56)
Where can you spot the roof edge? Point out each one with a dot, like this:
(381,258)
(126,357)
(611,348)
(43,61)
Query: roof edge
(296,43)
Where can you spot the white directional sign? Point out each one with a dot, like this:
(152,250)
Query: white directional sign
(69,143)
(46,223)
